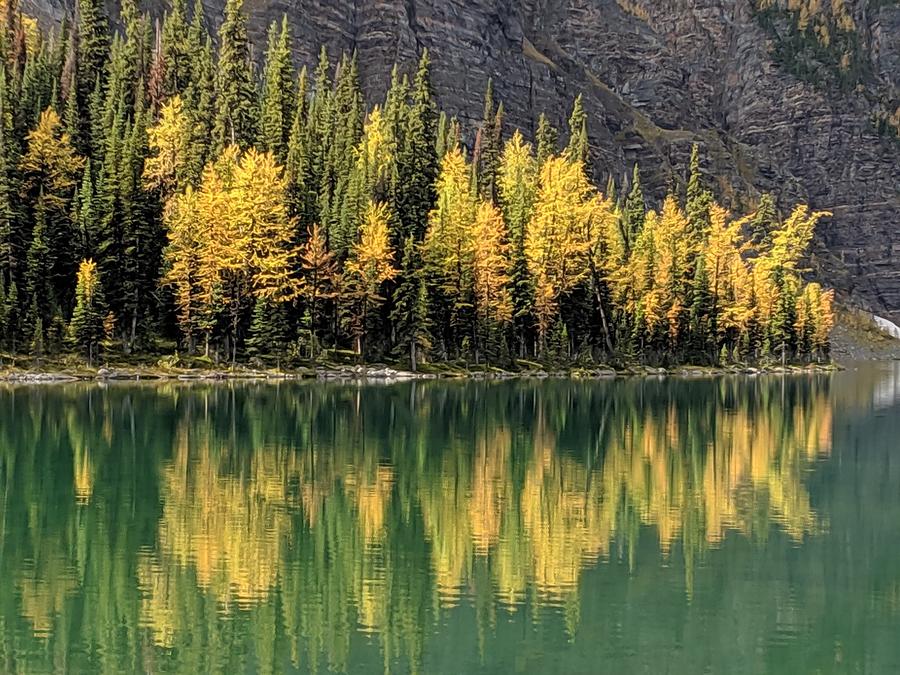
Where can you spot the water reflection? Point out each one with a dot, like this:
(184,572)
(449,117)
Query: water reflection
(265,527)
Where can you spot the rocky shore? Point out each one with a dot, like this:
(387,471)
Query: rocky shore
(389,374)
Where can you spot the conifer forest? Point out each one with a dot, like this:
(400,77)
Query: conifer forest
(162,191)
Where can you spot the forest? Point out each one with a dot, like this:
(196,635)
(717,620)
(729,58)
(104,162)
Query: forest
(162,191)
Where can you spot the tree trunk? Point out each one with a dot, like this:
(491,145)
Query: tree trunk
(412,355)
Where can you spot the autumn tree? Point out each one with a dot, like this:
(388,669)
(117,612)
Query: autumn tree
(555,241)
(166,167)
(49,170)
(319,274)
(517,181)
(369,266)
(490,277)
(448,249)
(182,260)
(86,328)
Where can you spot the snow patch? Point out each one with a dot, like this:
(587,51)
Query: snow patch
(887,326)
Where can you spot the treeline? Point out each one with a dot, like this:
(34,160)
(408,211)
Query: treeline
(154,187)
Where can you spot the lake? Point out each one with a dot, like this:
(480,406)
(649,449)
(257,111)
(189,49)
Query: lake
(727,525)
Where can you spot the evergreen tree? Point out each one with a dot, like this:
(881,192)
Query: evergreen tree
(635,211)
(698,198)
(518,185)
(298,157)
(577,150)
(410,313)
(10,246)
(85,214)
(176,51)
(487,146)
(93,45)
(40,261)
(199,103)
(269,329)
(142,235)
(418,157)
(278,97)
(235,91)
(764,222)
(545,138)
(346,133)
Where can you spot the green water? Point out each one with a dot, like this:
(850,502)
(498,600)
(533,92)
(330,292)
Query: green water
(723,526)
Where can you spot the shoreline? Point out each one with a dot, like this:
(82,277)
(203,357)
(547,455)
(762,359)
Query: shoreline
(381,373)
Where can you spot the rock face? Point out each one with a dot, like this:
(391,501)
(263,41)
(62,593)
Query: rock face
(657,75)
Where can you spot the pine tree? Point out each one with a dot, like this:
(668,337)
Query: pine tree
(85,216)
(764,222)
(545,138)
(635,210)
(11,313)
(269,329)
(698,198)
(577,150)
(235,91)
(410,314)
(298,156)
(86,328)
(418,158)
(317,138)
(39,263)
(176,51)
(487,146)
(93,45)
(141,232)
(10,246)
(199,103)
(340,159)
(277,102)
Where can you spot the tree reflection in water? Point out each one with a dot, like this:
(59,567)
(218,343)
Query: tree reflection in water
(215,526)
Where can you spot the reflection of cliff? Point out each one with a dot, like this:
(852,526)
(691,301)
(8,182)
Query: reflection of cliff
(333,511)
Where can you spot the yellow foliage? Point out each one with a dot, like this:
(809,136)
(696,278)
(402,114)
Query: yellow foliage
(448,247)
(168,144)
(371,261)
(50,164)
(490,277)
(556,237)
(231,239)
(182,256)
(88,279)
(517,182)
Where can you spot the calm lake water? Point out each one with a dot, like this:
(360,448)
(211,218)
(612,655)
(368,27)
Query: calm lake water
(661,526)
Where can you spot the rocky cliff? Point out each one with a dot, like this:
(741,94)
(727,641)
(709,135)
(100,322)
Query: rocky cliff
(789,96)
